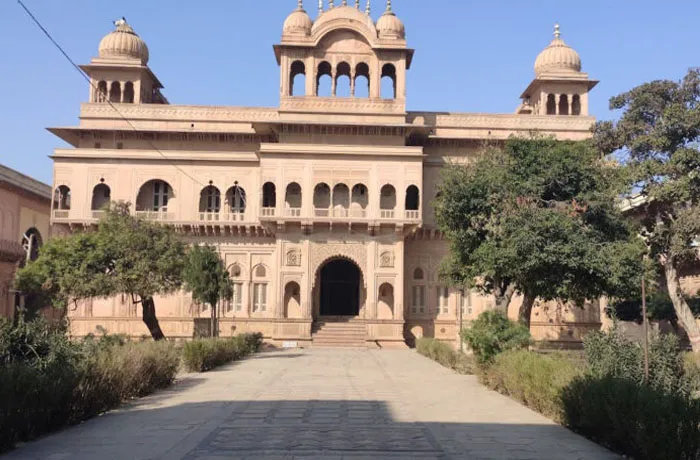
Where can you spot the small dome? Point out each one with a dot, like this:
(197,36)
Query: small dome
(299,22)
(390,26)
(557,57)
(122,43)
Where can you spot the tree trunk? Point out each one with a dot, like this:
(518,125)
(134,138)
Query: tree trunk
(525,311)
(150,319)
(503,298)
(685,315)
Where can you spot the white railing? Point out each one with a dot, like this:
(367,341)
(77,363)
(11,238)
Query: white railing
(322,212)
(268,212)
(160,216)
(209,216)
(293,212)
(97,214)
(412,215)
(61,213)
(234,216)
(387,213)
(340,212)
(358,213)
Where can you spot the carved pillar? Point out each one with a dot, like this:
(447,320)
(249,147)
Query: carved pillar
(557,99)
(334,82)
(399,261)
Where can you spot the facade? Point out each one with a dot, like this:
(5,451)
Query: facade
(321,208)
(25,208)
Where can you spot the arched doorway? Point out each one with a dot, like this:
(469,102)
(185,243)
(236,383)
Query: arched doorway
(340,288)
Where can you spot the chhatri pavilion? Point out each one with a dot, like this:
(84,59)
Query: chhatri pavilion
(321,207)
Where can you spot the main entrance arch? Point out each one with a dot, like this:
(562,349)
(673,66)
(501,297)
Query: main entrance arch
(340,288)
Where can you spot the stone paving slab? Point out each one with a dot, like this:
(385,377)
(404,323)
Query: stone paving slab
(320,405)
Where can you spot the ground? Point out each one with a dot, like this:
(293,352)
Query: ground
(324,405)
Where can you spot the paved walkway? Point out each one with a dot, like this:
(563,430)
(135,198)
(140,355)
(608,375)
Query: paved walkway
(323,405)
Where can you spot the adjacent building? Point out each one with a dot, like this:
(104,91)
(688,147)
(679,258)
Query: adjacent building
(25,208)
(320,207)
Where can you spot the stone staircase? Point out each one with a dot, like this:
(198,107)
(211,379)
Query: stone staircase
(348,333)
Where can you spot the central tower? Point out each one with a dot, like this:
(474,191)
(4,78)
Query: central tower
(343,61)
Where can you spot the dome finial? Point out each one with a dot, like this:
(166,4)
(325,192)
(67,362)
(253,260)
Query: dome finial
(357,4)
(388,6)
(331,5)
(120,22)
(345,2)
(300,4)
(368,8)
(320,7)
(557,31)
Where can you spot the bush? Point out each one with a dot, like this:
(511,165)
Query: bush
(638,420)
(493,333)
(446,355)
(612,354)
(691,362)
(202,355)
(535,380)
(48,382)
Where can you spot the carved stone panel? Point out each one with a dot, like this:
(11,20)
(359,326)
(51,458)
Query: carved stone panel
(386,259)
(293,258)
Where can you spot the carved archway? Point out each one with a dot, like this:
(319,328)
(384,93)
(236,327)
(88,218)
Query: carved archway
(340,288)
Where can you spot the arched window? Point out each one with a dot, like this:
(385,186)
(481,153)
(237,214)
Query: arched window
(341,200)
(359,201)
(260,289)
(292,300)
(297,79)
(412,198)
(115,93)
(129,93)
(235,203)
(418,291)
(292,199)
(269,196)
(576,105)
(551,104)
(385,302)
(61,199)
(324,80)
(387,201)
(154,200)
(236,303)
(361,80)
(100,197)
(322,200)
(209,203)
(101,95)
(31,242)
(563,104)
(342,80)
(388,88)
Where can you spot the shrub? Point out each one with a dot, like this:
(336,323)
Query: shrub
(533,379)
(691,363)
(48,382)
(446,355)
(612,354)
(638,420)
(493,333)
(202,355)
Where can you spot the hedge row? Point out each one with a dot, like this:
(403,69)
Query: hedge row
(38,399)
(446,355)
(206,354)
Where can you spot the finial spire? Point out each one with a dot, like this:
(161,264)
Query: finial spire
(300,4)
(357,4)
(320,7)
(330,4)
(368,8)
(345,2)
(557,31)
(388,6)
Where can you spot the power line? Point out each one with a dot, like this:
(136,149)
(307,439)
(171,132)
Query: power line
(90,82)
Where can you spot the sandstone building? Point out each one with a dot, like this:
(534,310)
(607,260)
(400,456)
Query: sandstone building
(321,207)
(25,208)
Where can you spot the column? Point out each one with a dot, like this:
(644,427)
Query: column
(557,100)
(399,287)
(334,82)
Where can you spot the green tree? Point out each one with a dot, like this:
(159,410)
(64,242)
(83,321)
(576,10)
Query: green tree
(125,255)
(207,278)
(537,217)
(657,134)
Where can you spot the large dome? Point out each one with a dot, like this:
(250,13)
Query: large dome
(557,57)
(124,43)
(299,22)
(390,26)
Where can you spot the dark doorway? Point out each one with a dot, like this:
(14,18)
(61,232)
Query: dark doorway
(340,289)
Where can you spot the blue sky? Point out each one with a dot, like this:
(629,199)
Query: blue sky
(471,56)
